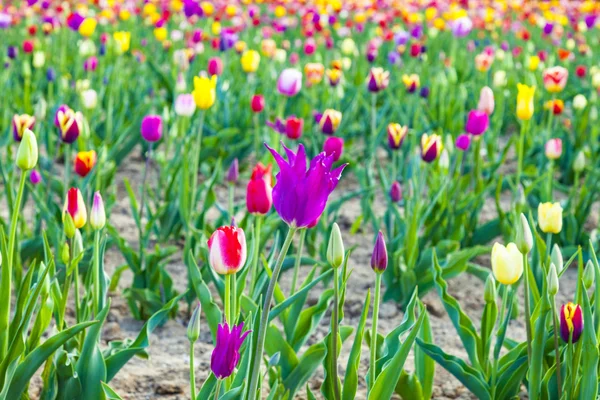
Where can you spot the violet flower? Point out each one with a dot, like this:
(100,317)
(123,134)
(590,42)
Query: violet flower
(300,195)
(226,354)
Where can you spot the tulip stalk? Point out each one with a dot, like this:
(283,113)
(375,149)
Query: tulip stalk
(255,255)
(264,318)
(192,373)
(373,344)
(143,206)
(5,293)
(527,312)
(556,346)
(524,125)
(499,334)
(96,272)
(298,261)
(334,332)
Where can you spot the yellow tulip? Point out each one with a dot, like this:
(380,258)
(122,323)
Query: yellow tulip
(550,217)
(525,101)
(215,28)
(123,40)
(507,263)
(87,27)
(204,91)
(250,60)
(160,33)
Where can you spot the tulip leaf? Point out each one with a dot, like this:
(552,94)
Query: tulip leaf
(425,365)
(589,374)
(538,346)
(351,376)
(409,387)
(309,319)
(211,310)
(109,393)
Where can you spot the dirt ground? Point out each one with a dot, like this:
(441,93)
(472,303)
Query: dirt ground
(165,374)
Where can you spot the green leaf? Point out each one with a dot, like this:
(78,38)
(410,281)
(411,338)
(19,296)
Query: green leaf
(425,365)
(351,376)
(109,394)
(210,308)
(589,373)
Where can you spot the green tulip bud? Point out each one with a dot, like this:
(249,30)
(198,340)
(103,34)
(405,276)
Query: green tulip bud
(524,239)
(552,280)
(77,244)
(335,248)
(490,289)
(579,163)
(68,225)
(556,257)
(588,274)
(65,254)
(193,329)
(27,154)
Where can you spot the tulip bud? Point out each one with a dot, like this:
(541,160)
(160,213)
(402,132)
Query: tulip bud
(489,294)
(233,173)
(77,244)
(552,280)
(65,254)
(507,263)
(588,274)
(98,215)
(68,225)
(550,217)
(444,162)
(335,248)
(75,207)
(579,163)
(227,250)
(571,322)
(35,177)
(27,154)
(193,329)
(396,192)
(151,128)
(379,259)
(524,239)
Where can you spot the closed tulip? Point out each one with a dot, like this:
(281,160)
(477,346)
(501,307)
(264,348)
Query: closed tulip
(84,162)
(20,124)
(579,102)
(215,66)
(486,100)
(379,258)
(378,79)
(257,103)
(122,41)
(227,250)
(294,127)
(250,61)
(571,322)
(289,82)
(550,217)
(75,207)
(477,122)
(431,147)
(205,91)
(555,79)
(507,263)
(185,105)
(553,149)
(151,128)
(88,27)
(27,153)
(411,82)
(330,121)
(98,214)
(70,124)
(314,73)
(335,247)
(525,101)
(259,192)
(396,134)
(334,146)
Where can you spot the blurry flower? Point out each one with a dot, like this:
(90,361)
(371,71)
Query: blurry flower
(90,64)
(69,122)
(379,258)
(579,102)
(525,101)
(293,127)
(227,250)
(556,106)
(571,322)
(27,153)
(553,149)
(431,147)
(396,134)
(534,62)
(257,103)
(335,247)
(151,128)
(348,47)
(483,62)
(555,79)
(122,41)
(89,99)
(205,91)
(579,163)
(524,238)
(259,192)
(330,121)
(334,147)
(499,80)
(378,79)
(507,263)
(289,82)
(161,33)
(486,100)
(463,142)
(20,123)
(97,215)
(250,60)
(185,105)
(300,195)
(314,73)
(462,26)
(424,92)
(334,76)
(28,46)
(87,27)
(35,177)
(234,172)
(226,355)
(75,207)
(84,162)
(215,66)
(12,52)
(550,217)
(396,192)
(39,59)
(477,122)
(411,82)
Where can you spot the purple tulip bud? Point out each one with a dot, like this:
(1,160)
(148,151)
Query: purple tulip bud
(234,172)
(548,28)
(424,93)
(463,142)
(379,259)
(151,128)
(396,192)
(50,75)
(12,52)
(334,146)
(226,354)
(571,322)
(477,122)
(35,177)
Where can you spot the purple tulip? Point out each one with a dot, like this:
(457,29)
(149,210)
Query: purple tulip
(69,122)
(35,177)
(424,92)
(548,28)
(477,122)
(228,40)
(5,20)
(226,354)
(394,58)
(234,172)
(417,32)
(590,21)
(396,192)
(90,64)
(12,52)
(151,128)
(379,259)
(571,322)
(300,195)
(462,26)
(334,146)
(75,20)
(463,142)
(401,38)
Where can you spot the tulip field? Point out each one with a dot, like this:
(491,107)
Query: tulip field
(300,199)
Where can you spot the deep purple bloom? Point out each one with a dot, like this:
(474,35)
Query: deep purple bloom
(12,52)
(234,172)
(424,93)
(50,74)
(379,259)
(35,177)
(191,8)
(417,32)
(226,354)
(300,195)
(590,20)
(228,40)
(102,50)
(75,20)
(278,126)
(571,322)
(463,142)
(396,192)
(477,122)
(151,128)
(548,28)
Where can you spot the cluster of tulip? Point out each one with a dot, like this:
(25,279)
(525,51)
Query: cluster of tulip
(455,122)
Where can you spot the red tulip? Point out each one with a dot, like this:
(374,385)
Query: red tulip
(259,193)
(84,162)
(257,103)
(227,250)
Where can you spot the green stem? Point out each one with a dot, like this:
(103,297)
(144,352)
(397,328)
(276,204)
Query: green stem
(556,348)
(218,388)
(550,177)
(527,313)
(334,340)
(234,303)
(142,208)
(7,268)
(496,355)
(96,272)
(227,299)
(297,262)
(255,255)
(67,168)
(264,318)
(548,249)
(373,359)
(195,165)
(192,373)
(477,155)
(257,135)
(521,151)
